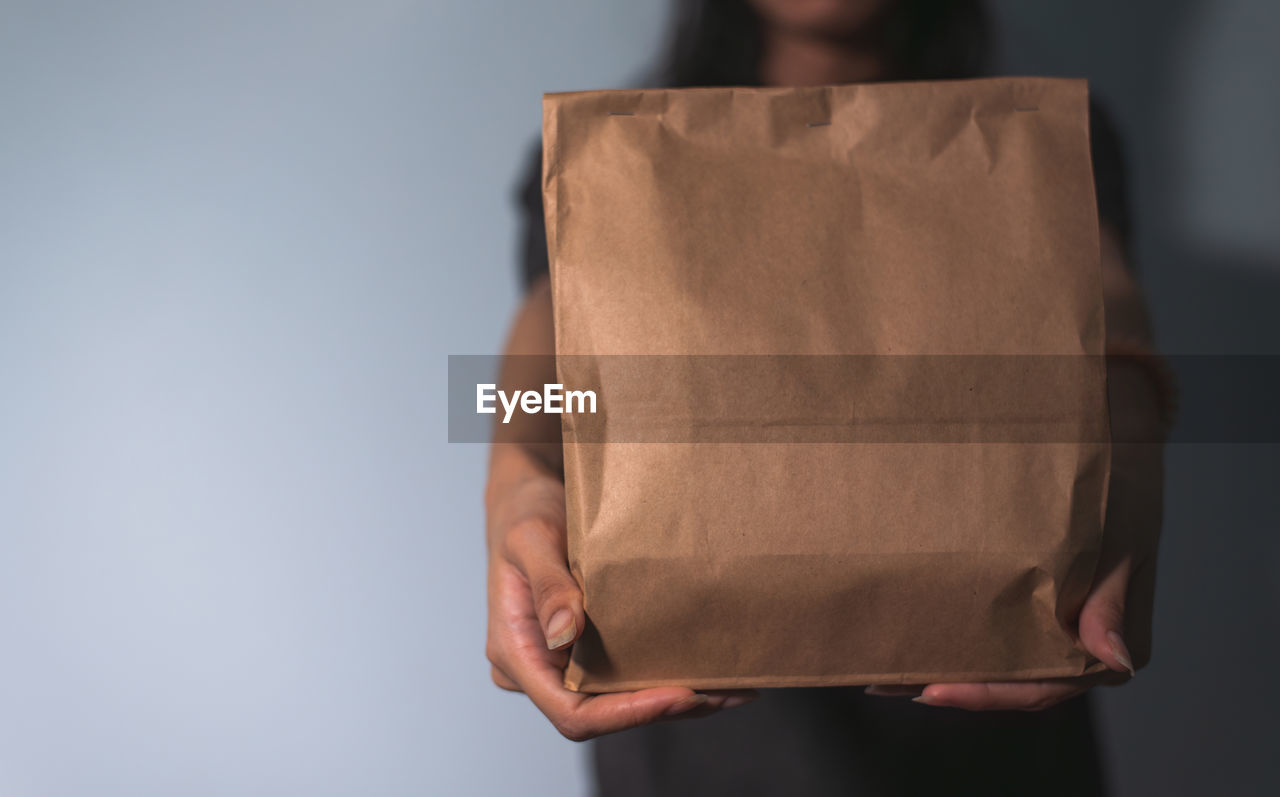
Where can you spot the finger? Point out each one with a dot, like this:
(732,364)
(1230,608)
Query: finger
(597,715)
(503,681)
(718,700)
(1102,618)
(1001,695)
(515,643)
(537,549)
(894,690)
(580,717)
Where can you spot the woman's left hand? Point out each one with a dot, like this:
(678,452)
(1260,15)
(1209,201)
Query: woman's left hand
(1101,632)
(1114,623)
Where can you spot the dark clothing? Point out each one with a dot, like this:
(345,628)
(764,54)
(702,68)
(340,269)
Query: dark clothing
(818,742)
(826,742)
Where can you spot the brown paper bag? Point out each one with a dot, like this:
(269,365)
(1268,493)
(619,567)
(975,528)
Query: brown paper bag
(805,312)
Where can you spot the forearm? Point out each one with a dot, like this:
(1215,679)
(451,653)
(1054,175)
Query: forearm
(1139,399)
(1135,391)
(528,447)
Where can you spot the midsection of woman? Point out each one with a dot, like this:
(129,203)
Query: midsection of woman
(795,741)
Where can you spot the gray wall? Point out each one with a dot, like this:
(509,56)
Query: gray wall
(237,241)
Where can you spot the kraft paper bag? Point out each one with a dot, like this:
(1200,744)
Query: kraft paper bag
(815,318)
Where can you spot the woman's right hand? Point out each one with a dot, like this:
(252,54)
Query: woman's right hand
(535,606)
(536,614)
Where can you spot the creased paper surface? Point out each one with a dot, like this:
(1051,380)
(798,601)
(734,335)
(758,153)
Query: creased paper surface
(879,220)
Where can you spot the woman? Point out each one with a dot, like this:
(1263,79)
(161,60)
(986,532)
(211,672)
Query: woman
(819,741)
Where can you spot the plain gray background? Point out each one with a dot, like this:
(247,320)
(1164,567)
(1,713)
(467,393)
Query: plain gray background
(237,241)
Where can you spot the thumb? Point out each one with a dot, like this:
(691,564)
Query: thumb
(1102,618)
(538,551)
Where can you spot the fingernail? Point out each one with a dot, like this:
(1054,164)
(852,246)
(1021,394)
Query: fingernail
(923,699)
(737,700)
(1121,652)
(564,621)
(680,707)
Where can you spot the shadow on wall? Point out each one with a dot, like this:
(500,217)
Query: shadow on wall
(1200,720)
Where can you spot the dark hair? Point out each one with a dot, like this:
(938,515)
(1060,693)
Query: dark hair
(719,42)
